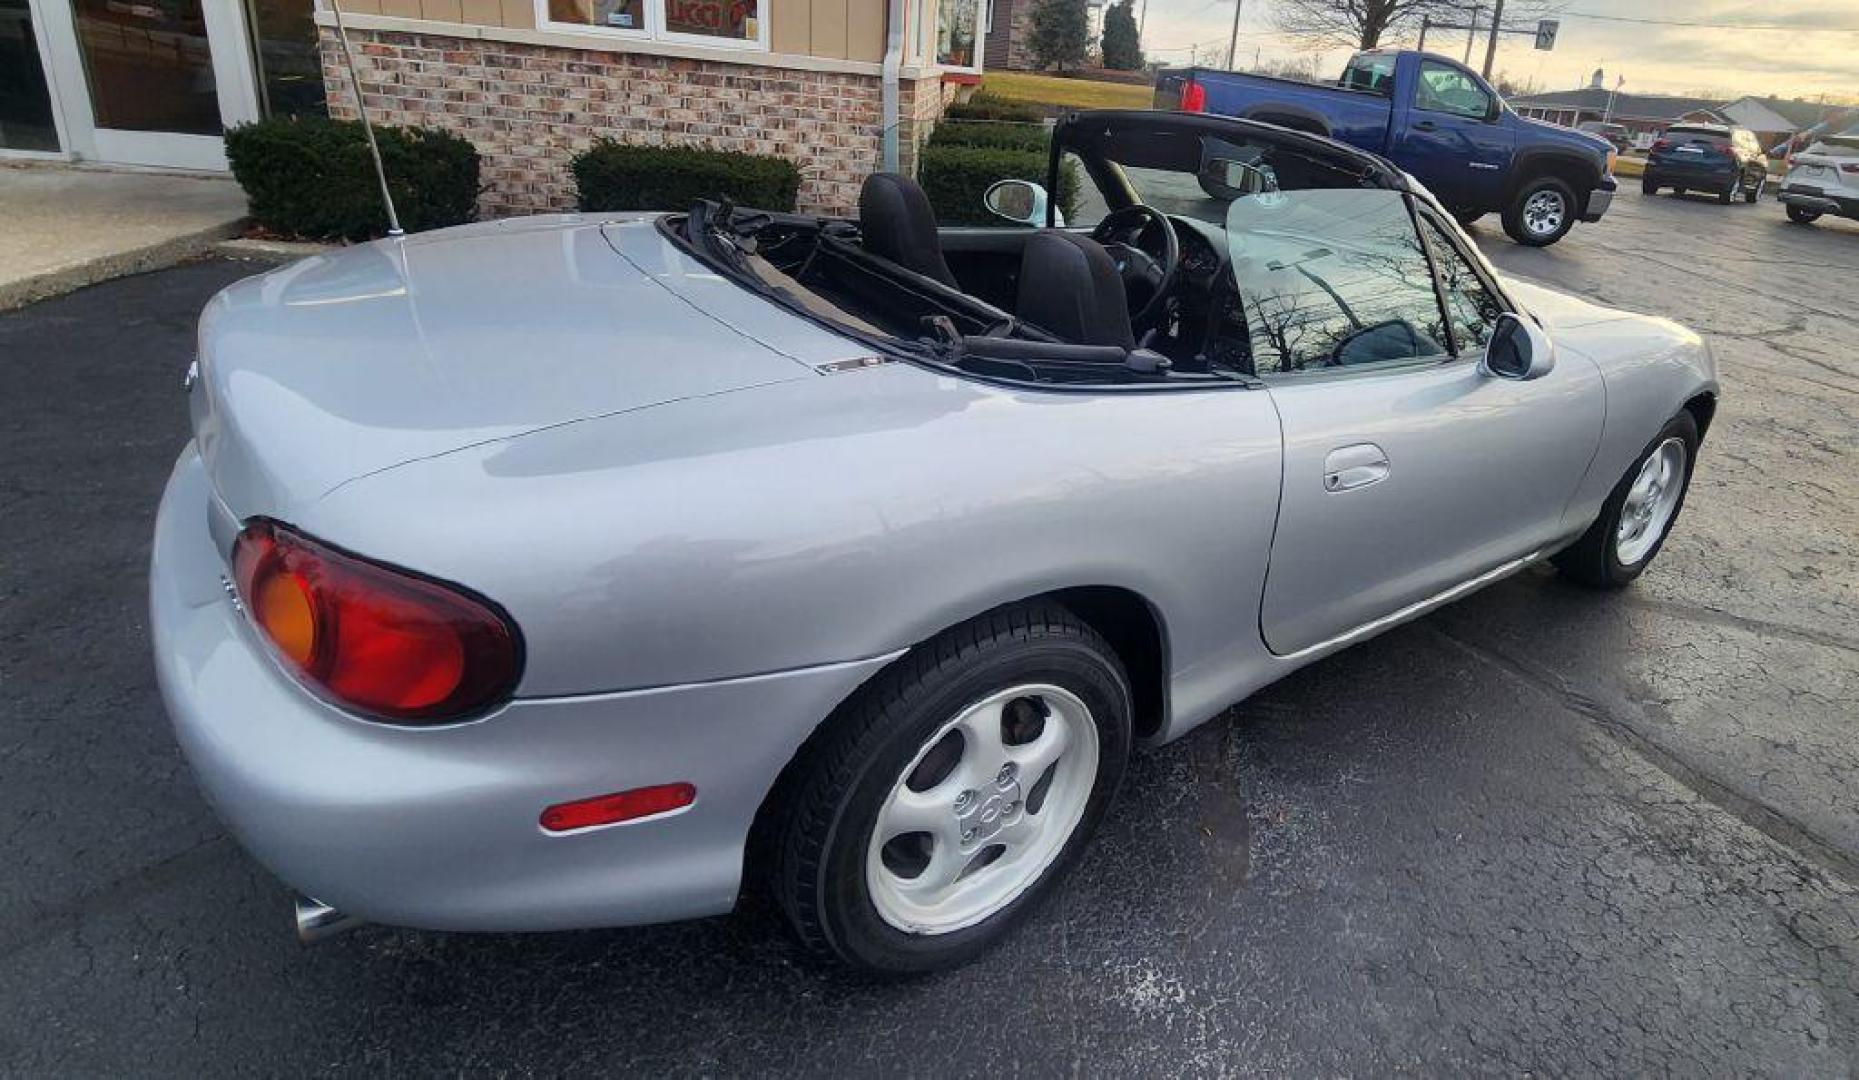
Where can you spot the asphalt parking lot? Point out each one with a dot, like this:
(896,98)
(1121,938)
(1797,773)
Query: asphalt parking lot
(1540,831)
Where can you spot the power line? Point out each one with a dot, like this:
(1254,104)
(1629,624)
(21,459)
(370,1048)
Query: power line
(1706,25)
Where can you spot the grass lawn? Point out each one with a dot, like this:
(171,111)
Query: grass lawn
(1069,93)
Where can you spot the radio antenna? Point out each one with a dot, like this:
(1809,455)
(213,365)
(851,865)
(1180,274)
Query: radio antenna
(361,110)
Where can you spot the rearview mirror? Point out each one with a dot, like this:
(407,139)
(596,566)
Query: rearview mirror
(1021,202)
(1224,178)
(1518,349)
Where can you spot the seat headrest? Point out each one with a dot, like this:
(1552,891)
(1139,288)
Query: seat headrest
(897,223)
(1069,286)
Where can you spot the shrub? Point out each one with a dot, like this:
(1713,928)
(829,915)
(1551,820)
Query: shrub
(616,176)
(999,136)
(313,177)
(956,177)
(989,107)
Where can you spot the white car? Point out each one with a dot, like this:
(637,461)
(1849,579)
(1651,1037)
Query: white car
(1824,179)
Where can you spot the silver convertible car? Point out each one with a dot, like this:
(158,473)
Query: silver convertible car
(591,570)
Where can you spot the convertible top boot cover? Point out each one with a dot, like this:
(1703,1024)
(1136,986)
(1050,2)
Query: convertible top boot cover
(1070,287)
(896,223)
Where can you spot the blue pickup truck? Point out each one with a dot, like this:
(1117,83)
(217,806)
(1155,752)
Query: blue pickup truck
(1439,121)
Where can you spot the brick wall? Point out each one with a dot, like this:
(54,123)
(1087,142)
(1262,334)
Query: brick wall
(530,108)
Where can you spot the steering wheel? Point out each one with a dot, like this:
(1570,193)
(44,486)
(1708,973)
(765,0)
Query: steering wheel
(1147,276)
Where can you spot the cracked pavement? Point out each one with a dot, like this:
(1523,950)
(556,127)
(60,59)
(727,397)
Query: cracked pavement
(1542,830)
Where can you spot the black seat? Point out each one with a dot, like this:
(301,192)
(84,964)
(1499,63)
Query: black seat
(896,223)
(1069,286)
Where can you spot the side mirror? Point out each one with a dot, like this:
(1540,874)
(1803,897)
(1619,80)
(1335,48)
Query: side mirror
(1518,349)
(1021,202)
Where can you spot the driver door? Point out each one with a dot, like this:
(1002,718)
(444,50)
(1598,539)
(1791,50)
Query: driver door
(1407,469)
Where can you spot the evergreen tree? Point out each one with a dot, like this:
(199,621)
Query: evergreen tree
(1123,50)
(1061,32)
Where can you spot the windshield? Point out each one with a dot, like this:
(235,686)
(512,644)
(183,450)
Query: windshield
(1332,278)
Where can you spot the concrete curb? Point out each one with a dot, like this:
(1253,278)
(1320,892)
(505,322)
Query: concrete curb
(277,251)
(22,291)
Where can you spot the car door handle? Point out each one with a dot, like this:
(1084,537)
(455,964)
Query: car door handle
(1355,466)
(1425,125)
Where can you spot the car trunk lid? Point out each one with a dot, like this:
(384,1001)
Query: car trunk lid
(350,363)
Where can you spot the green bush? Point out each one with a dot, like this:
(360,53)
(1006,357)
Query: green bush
(956,177)
(999,136)
(313,177)
(989,107)
(616,176)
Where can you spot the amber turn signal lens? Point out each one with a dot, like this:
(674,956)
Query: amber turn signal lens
(620,806)
(374,638)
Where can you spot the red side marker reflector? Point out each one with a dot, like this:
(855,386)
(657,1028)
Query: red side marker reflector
(617,807)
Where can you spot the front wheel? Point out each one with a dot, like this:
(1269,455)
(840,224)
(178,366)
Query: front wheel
(1801,215)
(1638,514)
(950,795)
(1542,212)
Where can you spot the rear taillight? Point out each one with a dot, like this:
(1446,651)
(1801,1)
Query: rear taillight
(1193,97)
(1662,144)
(373,638)
(1851,168)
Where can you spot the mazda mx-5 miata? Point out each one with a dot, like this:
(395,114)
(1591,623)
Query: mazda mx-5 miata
(591,570)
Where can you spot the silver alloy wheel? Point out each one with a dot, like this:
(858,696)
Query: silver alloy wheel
(1651,501)
(961,836)
(1543,212)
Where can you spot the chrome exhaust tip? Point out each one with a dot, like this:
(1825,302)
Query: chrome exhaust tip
(317,921)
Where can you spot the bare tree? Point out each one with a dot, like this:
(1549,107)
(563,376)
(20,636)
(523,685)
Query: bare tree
(1356,24)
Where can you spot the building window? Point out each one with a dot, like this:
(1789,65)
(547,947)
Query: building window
(738,24)
(957,33)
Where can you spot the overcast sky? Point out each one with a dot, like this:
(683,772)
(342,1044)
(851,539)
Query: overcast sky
(1806,59)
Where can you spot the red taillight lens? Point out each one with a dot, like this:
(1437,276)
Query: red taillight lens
(1193,97)
(372,638)
(620,806)
(1662,144)
(1850,167)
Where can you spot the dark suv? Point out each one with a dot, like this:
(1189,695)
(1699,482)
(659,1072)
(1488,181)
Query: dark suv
(1725,161)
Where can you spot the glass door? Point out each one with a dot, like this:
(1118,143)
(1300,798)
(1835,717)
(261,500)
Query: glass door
(162,79)
(26,120)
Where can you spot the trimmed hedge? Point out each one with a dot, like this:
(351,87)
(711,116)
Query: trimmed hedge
(618,176)
(989,107)
(313,177)
(999,136)
(956,177)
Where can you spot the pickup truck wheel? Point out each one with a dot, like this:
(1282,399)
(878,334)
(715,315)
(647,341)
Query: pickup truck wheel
(1542,212)
(948,797)
(1801,215)
(1638,514)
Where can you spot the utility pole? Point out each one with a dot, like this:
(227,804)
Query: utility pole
(1233,42)
(1491,48)
(1426,23)
(1141,20)
(1471,33)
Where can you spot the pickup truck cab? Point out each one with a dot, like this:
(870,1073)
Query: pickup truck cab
(1438,120)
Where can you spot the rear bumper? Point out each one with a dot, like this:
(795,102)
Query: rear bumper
(1826,204)
(438,828)
(1704,178)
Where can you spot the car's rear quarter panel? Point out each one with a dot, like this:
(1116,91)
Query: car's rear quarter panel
(835,519)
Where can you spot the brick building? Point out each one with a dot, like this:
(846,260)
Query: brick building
(530,82)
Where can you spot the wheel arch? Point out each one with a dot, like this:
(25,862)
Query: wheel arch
(1129,622)
(1580,174)
(1291,118)
(1703,408)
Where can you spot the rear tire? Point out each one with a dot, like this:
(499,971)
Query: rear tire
(1647,187)
(1612,552)
(1541,213)
(1801,215)
(1753,192)
(853,895)
(1733,192)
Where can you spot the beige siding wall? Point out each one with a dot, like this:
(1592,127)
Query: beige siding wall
(835,29)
